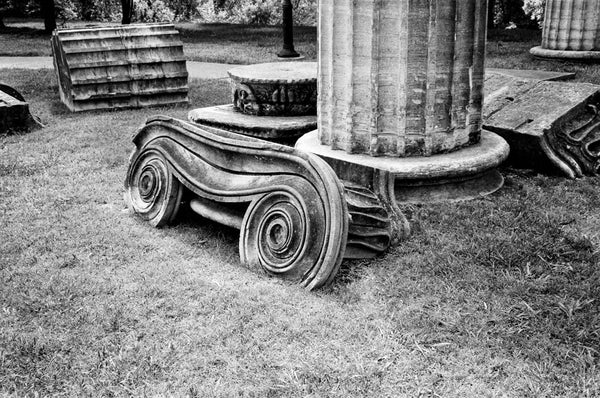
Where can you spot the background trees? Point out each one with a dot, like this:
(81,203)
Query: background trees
(501,12)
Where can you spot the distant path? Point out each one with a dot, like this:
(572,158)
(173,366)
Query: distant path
(209,70)
(196,70)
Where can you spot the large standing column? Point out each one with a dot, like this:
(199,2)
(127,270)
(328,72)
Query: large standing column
(570,30)
(400,98)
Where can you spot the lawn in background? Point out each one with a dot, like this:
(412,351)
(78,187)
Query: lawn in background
(498,296)
(221,43)
(250,44)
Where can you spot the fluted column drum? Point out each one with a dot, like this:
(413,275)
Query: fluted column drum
(401,77)
(571,25)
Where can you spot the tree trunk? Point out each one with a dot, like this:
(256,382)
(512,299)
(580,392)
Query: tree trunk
(49,14)
(127,11)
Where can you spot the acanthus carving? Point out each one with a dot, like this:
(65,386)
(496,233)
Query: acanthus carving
(575,147)
(275,99)
(370,231)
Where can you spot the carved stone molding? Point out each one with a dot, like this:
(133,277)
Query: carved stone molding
(275,89)
(550,126)
(288,205)
(576,144)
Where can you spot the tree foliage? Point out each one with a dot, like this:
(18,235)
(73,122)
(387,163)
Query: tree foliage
(501,12)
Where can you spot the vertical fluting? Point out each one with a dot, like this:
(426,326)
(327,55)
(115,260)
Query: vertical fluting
(571,25)
(475,122)
(400,77)
(343,26)
(325,48)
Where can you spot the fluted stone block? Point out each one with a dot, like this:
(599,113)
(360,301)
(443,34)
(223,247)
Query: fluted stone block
(570,30)
(120,66)
(408,83)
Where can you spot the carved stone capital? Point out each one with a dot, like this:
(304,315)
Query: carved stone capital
(288,205)
(576,143)
(550,126)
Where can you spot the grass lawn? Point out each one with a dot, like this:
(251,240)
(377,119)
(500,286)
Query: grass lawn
(496,297)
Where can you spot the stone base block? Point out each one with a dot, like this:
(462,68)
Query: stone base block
(565,54)
(464,174)
(280,129)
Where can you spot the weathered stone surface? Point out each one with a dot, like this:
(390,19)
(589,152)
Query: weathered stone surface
(550,126)
(400,97)
(275,89)
(14,112)
(288,205)
(465,174)
(281,129)
(527,74)
(401,78)
(120,67)
(570,30)
(565,54)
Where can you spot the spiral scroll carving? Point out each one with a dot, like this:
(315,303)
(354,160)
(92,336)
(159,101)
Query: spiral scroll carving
(577,145)
(152,191)
(274,234)
(295,219)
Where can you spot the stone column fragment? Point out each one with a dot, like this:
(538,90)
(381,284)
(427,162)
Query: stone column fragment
(400,99)
(401,78)
(570,30)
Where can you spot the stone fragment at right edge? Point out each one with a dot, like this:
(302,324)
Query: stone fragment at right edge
(550,126)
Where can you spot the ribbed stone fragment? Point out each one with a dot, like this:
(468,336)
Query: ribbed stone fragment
(120,66)
(399,77)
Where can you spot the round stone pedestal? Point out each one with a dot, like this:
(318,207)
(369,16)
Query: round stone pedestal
(464,174)
(275,89)
(565,54)
(279,129)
